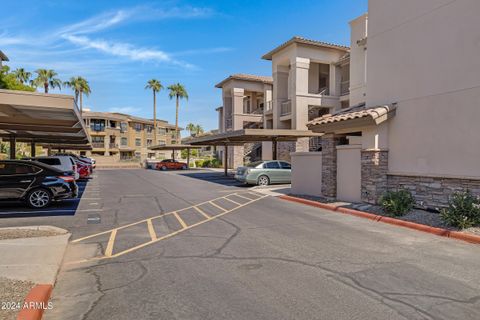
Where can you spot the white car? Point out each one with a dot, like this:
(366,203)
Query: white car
(64,163)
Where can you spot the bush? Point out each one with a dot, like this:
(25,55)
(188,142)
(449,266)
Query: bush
(397,203)
(198,163)
(206,163)
(463,210)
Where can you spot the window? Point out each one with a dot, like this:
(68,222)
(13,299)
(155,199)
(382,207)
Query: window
(162,131)
(149,142)
(50,161)
(149,128)
(97,139)
(138,142)
(97,125)
(138,127)
(17,168)
(123,141)
(161,142)
(285,165)
(271,165)
(123,127)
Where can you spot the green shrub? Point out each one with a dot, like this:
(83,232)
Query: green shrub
(463,210)
(206,163)
(397,203)
(198,163)
(215,163)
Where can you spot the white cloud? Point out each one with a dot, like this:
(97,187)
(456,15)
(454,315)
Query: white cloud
(97,23)
(128,110)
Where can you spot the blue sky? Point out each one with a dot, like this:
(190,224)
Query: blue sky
(119,45)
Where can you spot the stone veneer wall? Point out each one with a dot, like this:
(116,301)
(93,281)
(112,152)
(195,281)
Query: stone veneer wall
(329,165)
(237,154)
(432,192)
(374,174)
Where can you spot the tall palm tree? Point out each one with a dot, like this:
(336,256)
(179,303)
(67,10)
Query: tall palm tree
(80,87)
(178,92)
(190,128)
(155,86)
(198,129)
(22,75)
(47,79)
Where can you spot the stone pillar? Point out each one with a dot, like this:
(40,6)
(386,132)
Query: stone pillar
(237,155)
(329,165)
(374,174)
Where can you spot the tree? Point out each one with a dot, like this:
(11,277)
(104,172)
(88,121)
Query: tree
(80,87)
(198,129)
(47,79)
(22,76)
(178,92)
(190,128)
(155,86)
(10,82)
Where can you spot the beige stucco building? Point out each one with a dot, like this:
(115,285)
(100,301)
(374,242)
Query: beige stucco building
(126,137)
(418,128)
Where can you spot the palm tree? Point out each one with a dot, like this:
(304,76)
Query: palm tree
(80,86)
(22,75)
(46,78)
(190,127)
(178,92)
(198,129)
(155,86)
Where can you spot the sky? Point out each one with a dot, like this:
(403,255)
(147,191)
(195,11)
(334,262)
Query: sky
(119,45)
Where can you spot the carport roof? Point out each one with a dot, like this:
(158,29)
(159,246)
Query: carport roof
(173,147)
(42,118)
(239,137)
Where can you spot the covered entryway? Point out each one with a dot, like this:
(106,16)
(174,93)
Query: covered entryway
(349,173)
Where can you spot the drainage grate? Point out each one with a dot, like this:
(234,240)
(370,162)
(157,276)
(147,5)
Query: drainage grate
(94,219)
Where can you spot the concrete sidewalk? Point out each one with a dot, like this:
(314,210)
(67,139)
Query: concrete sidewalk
(35,259)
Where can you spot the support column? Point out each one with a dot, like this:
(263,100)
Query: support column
(329,165)
(374,174)
(32,149)
(225,162)
(274,149)
(188,158)
(13,150)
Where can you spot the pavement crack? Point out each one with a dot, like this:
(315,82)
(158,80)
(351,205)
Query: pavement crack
(229,239)
(98,288)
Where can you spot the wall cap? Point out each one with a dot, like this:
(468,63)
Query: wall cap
(426,175)
(308,154)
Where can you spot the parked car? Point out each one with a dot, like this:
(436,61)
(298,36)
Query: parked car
(92,161)
(171,164)
(263,173)
(84,165)
(35,183)
(63,163)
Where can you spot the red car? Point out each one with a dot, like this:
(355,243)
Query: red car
(171,164)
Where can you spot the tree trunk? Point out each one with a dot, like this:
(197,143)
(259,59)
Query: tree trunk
(81,102)
(176,122)
(154,119)
(45,86)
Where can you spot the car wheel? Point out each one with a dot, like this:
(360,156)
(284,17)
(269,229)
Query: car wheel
(39,198)
(263,181)
(163,168)
(184,167)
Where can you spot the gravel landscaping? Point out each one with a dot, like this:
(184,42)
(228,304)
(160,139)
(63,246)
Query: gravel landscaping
(429,218)
(12,295)
(26,233)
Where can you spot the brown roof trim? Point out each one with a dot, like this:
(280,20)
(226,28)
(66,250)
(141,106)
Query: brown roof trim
(246,77)
(3,57)
(297,39)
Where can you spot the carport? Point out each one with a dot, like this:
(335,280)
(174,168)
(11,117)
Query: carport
(240,137)
(37,118)
(175,147)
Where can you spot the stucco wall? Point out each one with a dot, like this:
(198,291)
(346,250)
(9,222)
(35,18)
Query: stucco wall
(307,182)
(358,30)
(424,56)
(349,173)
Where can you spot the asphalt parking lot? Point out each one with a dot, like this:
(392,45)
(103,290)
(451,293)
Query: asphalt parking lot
(241,254)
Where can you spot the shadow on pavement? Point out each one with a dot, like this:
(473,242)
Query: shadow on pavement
(214,177)
(68,207)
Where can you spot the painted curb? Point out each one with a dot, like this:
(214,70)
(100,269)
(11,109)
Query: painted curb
(377,218)
(36,302)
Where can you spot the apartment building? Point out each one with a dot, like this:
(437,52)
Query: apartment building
(418,128)
(247,103)
(126,137)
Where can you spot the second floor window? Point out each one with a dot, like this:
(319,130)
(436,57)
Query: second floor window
(138,142)
(162,131)
(138,127)
(123,141)
(123,127)
(97,125)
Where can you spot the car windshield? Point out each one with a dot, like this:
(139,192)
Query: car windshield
(254,164)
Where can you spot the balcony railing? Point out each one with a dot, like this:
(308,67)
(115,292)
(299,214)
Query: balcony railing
(113,145)
(286,108)
(344,88)
(98,144)
(269,106)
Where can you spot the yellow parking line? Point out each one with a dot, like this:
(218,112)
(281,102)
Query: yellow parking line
(216,205)
(111,241)
(243,197)
(151,230)
(232,201)
(184,225)
(202,212)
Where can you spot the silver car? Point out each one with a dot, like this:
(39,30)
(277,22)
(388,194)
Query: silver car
(263,173)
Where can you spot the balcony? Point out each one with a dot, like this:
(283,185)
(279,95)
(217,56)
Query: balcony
(269,107)
(286,108)
(113,145)
(98,145)
(228,123)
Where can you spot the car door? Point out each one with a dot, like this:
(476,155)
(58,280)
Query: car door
(272,169)
(285,172)
(15,179)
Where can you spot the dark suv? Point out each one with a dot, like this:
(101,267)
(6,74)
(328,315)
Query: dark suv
(35,183)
